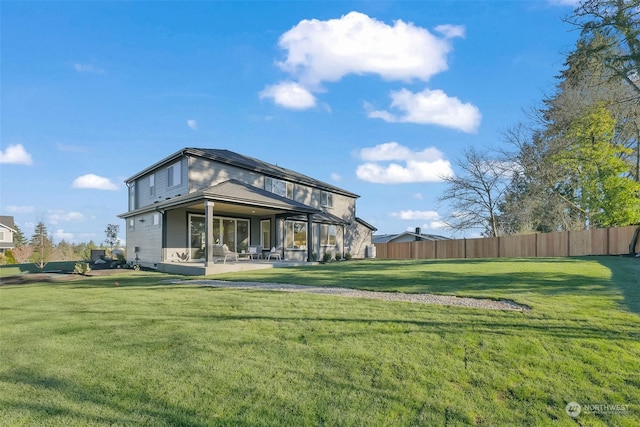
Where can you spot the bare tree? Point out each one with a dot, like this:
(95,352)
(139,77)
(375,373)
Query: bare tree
(22,253)
(475,196)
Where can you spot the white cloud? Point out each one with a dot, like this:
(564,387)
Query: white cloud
(326,51)
(19,209)
(436,225)
(192,124)
(87,68)
(15,154)
(336,177)
(93,182)
(319,51)
(57,216)
(427,165)
(431,107)
(394,151)
(418,196)
(412,171)
(413,215)
(289,95)
(60,235)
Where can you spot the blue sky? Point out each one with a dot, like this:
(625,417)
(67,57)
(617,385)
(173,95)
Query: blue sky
(375,97)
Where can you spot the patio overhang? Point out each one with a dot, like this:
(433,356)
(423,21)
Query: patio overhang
(231,196)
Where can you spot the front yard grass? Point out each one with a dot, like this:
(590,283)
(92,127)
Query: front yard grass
(139,352)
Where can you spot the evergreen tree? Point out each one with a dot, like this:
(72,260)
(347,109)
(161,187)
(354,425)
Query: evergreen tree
(19,239)
(42,246)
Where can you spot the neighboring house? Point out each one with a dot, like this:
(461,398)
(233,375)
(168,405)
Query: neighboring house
(7,228)
(407,236)
(182,205)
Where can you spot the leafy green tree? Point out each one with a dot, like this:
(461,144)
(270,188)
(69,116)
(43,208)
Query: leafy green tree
(42,246)
(595,183)
(112,240)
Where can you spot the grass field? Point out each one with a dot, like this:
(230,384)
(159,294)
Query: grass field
(89,352)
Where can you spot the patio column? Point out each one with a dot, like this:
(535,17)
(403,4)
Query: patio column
(309,237)
(208,233)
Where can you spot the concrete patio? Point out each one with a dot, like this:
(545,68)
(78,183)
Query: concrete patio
(196,268)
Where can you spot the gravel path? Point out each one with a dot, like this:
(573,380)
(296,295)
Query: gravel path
(354,293)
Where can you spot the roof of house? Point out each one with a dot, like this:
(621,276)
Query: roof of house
(8,222)
(386,238)
(245,162)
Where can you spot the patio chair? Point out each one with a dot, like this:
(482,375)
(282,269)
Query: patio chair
(255,251)
(223,252)
(275,253)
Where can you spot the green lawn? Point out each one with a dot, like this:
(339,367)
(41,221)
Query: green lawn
(147,353)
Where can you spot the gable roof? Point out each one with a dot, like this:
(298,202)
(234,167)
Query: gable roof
(8,222)
(248,163)
(366,224)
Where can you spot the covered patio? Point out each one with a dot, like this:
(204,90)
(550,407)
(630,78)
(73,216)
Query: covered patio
(232,213)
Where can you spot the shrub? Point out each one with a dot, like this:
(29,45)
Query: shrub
(82,268)
(327,257)
(347,256)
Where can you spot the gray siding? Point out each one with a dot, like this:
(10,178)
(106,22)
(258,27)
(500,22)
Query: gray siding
(162,191)
(147,237)
(204,173)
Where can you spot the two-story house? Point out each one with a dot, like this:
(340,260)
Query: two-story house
(7,228)
(197,197)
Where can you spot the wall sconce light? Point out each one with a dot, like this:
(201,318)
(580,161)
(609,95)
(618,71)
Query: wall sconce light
(141,220)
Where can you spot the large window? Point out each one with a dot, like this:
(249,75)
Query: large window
(265,233)
(196,236)
(174,175)
(296,235)
(328,234)
(279,187)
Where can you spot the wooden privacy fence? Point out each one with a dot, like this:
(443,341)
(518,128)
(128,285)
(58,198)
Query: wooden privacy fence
(600,241)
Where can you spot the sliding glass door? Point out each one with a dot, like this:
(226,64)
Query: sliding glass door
(233,232)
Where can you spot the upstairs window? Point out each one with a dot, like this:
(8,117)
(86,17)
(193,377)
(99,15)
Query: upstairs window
(152,185)
(174,175)
(132,196)
(326,199)
(279,187)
